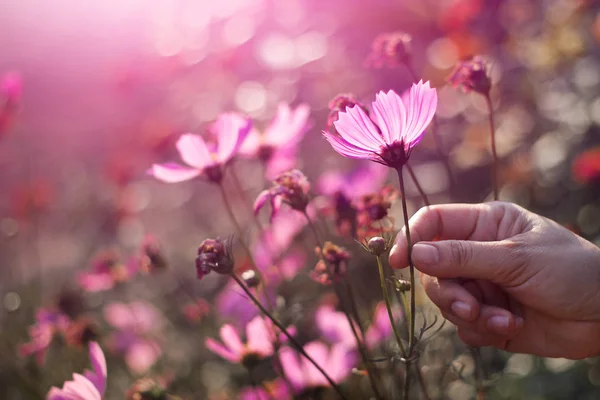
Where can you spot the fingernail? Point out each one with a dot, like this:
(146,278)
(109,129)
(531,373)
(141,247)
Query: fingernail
(461,310)
(498,323)
(425,254)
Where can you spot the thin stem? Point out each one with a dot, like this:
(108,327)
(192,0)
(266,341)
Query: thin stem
(314,229)
(244,245)
(242,194)
(418,185)
(388,305)
(411,332)
(490,107)
(406,392)
(293,341)
(361,348)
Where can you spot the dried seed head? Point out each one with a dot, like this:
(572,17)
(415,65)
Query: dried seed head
(214,255)
(402,285)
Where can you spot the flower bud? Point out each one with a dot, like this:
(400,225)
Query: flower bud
(402,285)
(471,75)
(214,255)
(251,278)
(377,245)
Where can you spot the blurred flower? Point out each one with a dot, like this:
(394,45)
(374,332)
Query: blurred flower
(135,324)
(471,75)
(149,389)
(214,255)
(152,258)
(337,361)
(89,386)
(289,188)
(398,126)
(276,147)
(107,271)
(586,166)
(11,88)
(207,161)
(81,331)
(338,104)
(342,190)
(332,265)
(334,327)
(381,328)
(276,389)
(390,50)
(195,311)
(47,324)
(71,302)
(372,209)
(259,343)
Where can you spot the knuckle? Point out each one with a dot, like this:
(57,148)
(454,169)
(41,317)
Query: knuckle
(461,253)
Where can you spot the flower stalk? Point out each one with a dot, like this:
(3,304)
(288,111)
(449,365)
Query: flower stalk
(490,107)
(293,341)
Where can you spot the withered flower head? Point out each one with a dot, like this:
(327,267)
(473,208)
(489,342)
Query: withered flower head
(147,389)
(289,188)
(214,255)
(333,264)
(471,75)
(390,50)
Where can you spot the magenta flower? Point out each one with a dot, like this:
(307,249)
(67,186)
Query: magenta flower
(135,324)
(381,329)
(89,386)
(107,270)
(203,160)
(334,326)
(289,188)
(338,361)
(259,343)
(276,147)
(397,126)
(48,324)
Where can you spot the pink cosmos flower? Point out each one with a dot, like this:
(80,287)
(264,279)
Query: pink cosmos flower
(135,324)
(48,324)
(337,361)
(259,343)
(89,386)
(276,147)
(107,270)
(203,160)
(397,126)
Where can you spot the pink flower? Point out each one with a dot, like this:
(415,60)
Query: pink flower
(134,324)
(276,147)
(380,328)
(358,182)
(471,75)
(107,271)
(334,326)
(230,129)
(48,323)
(11,88)
(89,386)
(259,343)
(337,361)
(289,188)
(397,126)
(390,50)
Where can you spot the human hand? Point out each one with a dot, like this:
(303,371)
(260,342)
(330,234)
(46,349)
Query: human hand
(507,277)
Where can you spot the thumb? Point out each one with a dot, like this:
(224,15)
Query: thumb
(502,262)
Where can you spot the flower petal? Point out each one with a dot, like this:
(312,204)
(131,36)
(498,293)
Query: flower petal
(231,339)
(251,145)
(356,128)
(340,362)
(259,337)
(346,149)
(221,350)
(260,201)
(420,103)
(291,367)
(319,353)
(98,378)
(172,172)
(193,151)
(390,115)
(231,130)
(288,126)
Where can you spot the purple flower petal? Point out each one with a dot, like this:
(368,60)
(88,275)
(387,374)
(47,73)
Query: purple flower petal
(420,103)
(260,201)
(193,151)
(356,128)
(231,339)
(288,126)
(231,130)
(347,149)
(172,172)
(259,337)
(221,350)
(390,115)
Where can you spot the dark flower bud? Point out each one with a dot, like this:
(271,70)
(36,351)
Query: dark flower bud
(402,285)
(390,50)
(377,245)
(214,255)
(471,75)
(251,278)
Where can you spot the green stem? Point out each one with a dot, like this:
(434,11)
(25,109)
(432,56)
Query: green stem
(406,392)
(418,185)
(490,107)
(293,341)
(388,305)
(411,332)
(314,229)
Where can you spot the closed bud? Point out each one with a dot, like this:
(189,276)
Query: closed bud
(377,245)
(214,255)
(402,285)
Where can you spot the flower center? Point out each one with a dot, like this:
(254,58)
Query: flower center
(394,155)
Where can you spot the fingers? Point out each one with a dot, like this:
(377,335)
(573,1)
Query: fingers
(451,297)
(499,262)
(452,221)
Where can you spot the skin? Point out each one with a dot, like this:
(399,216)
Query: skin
(508,278)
